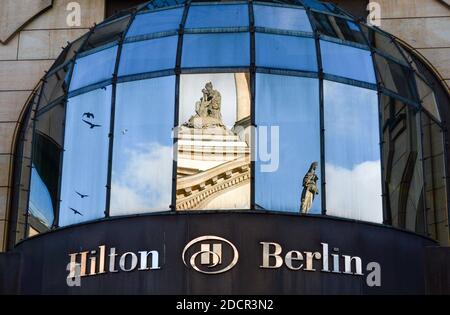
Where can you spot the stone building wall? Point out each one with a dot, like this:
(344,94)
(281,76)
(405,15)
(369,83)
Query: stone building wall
(24,56)
(424,25)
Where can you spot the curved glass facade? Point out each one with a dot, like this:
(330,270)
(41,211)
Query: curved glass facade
(261,106)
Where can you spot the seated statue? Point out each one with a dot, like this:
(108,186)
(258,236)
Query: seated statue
(207,110)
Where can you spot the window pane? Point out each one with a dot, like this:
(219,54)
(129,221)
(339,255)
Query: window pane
(402,165)
(288,133)
(383,42)
(435,182)
(337,27)
(24,166)
(314,4)
(286,52)
(55,86)
(69,52)
(347,61)
(94,68)
(352,152)
(281,18)
(143,154)
(213,142)
(427,97)
(395,77)
(85,164)
(223,15)
(216,50)
(47,149)
(154,22)
(149,55)
(107,33)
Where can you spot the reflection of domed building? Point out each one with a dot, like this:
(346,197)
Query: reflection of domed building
(270,117)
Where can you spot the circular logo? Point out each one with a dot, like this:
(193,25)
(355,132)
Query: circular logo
(210,252)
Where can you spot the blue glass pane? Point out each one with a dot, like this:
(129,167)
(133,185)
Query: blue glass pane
(314,4)
(341,28)
(85,163)
(281,18)
(285,52)
(288,120)
(353,26)
(46,161)
(94,68)
(40,205)
(223,15)
(352,152)
(154,22)
(395,77)
(347,61)
(143,155)
(150,55)
(216,50)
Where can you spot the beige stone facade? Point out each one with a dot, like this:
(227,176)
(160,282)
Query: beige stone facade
(27,49)
(424,25)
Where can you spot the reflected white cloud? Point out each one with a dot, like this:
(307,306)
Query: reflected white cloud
(355,193)
(144,183)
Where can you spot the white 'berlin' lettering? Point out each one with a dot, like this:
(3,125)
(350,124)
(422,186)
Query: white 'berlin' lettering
(305,260)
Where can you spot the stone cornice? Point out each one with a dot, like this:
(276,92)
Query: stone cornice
(195,190)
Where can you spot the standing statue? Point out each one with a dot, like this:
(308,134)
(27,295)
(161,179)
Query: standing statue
(208,110)
(310,189)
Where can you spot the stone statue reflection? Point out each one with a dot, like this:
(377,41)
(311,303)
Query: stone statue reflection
(208,110)
(310,189)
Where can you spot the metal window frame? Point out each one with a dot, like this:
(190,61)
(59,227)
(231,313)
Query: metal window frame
(176,118)
(253,126)
(29,116)
(385,203)
(113,115)
(65,100)
(252,69)
(320,74)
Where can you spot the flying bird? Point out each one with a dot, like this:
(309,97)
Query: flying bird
(92,126)
(76,211)
(88,115)
(81,195)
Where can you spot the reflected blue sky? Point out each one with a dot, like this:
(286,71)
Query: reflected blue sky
(85,159)
(154,22)
(352,152)
(225,15)
(216,50)
(149,55)
(281,18)
(351,124)
(285,52)
(292,103)
(346,61)
(102,61)
(142,158)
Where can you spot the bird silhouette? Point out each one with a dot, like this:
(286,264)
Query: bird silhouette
(76,211)
(91,125)
(88,115)
(81,195)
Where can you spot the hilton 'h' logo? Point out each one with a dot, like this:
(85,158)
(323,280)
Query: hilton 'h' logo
(210,255)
